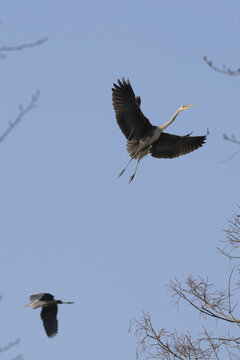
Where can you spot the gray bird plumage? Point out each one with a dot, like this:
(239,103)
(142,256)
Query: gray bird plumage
(49,310)
(144,138)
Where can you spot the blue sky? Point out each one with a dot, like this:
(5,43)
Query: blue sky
(68,225)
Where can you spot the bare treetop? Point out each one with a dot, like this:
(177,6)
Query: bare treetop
(210,303)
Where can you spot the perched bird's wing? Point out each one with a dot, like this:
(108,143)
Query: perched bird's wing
(40,296)
(129,116)
(49,318)
(171,146)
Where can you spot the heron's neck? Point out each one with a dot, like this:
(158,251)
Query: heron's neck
(164,126)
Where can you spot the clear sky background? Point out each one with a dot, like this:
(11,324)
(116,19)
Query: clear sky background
(68,225)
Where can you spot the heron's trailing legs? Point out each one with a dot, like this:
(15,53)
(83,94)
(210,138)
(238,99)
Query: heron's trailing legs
(126,166)
(132,177)
(137,152)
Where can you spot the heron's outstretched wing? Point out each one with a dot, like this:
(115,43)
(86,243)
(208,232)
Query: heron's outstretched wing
(40,296)
(129,116)
(171,146)
(49,318)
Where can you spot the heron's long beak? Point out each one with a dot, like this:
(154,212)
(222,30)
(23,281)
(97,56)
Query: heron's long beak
(188,106)
(68,302)
(27,305)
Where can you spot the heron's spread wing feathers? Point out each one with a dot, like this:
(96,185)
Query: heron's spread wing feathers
(49,318)
(129,116)
(40,296)
(171,146)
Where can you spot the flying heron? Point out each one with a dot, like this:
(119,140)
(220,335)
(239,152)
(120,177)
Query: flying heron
(144,138)
(49,310)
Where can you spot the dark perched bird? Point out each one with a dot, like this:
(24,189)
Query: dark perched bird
(144,138)
(49,311)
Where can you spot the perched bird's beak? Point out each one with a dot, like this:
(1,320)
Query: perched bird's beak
(27,305)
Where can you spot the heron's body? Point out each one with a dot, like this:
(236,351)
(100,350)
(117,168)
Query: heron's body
(144,138)
(143,144)
(49,311)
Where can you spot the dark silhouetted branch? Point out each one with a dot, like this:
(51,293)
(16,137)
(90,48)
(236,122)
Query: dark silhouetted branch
(224,70)
(22,112)
(4,49)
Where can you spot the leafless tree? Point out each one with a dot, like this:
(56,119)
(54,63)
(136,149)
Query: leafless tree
(210,303)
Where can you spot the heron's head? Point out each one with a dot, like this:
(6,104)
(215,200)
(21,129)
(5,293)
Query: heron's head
(184,107)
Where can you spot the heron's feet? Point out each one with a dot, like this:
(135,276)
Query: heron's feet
(131,178)
(121,173)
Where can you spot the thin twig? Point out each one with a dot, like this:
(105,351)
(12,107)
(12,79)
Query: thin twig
(223,70)
(232,139)
(9,346)
(22,112)
(21,47)
(230,157)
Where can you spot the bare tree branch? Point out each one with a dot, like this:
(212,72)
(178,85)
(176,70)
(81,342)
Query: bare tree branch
(4,49)
(9,346)
(22,112)
(169,345)
(209,302)
(232,243)
(230,157)
(232,139)
(202,296)
(224,70)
